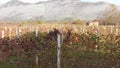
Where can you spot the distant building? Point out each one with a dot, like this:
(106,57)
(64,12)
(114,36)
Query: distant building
(94,23)
(101,21)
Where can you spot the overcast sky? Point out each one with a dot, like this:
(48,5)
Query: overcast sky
(33,1)
(110,1)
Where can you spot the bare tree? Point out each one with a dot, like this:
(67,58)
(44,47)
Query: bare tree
(112,15)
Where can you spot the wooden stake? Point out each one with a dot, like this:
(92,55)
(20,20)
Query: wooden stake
(20,31)
(111,30)
(10,33)
(17,33)
(76,30)
(117,31)
(58,51)
(37,61)
(37,32)
(5,28)
(36,57)
(3,34)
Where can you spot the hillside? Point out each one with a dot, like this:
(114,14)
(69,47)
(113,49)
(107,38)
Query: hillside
(14,3)
(17,11)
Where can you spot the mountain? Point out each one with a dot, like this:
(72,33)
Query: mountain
(53,10)
(43,2)
(14,3)
(0,4)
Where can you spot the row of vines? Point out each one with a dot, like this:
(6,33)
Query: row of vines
(85,47)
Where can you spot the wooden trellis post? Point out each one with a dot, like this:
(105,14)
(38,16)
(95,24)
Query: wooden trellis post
(111,29)
(83,30)
(30,29)
(36,57)
(3,34)
(37,61)
(10,33)
(58,51)
(96,32)
(117,31)
(37,32)
(104,29)
(5,28)
(76,30)
(62,37)
(20,31)
(80,29)
(17,32)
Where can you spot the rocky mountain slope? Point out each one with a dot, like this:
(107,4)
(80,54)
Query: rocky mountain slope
(17,11)
(13,3)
